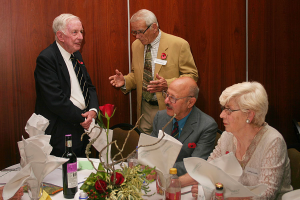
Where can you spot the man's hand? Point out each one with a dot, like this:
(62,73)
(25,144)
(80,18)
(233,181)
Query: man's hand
(89,116)
(158,85)
(117,80)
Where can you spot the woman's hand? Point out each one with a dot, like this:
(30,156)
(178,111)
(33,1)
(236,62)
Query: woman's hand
(195,190)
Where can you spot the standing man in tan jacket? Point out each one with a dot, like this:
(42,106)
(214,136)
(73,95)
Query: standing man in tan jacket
(158,59)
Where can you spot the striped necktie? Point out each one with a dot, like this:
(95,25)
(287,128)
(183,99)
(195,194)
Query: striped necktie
(81,80)
(175,131)
(147,76)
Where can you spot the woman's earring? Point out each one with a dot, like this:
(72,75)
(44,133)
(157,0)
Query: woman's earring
(247,121)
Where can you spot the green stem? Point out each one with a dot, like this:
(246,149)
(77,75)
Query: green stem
(107,131)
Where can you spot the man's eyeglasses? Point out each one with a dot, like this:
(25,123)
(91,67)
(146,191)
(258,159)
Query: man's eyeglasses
(228,110)
(134,33)
(171,98)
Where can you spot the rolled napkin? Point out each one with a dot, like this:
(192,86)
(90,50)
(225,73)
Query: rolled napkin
(36,125)
(162,155)
(101,141)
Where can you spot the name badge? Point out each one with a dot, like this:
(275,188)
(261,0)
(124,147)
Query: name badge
(160,61)
(252,171)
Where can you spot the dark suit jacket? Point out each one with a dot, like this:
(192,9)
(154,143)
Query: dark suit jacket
(53,90)
(199,128)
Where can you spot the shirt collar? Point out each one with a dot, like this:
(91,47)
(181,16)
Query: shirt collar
(66,55)
(157,39)
(181,122)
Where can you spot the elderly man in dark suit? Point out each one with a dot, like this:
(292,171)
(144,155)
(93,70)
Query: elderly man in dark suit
(192,127)
(65,93)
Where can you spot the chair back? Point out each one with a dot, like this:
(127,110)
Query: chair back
(219,133)
(297,129)
(294,156)
(120,135)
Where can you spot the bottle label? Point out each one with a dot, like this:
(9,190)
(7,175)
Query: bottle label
(173,196)
(69,143)
(72,175)
(219,196)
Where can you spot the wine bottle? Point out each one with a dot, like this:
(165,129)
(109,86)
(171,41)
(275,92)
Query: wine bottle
(173,186)
(70,183)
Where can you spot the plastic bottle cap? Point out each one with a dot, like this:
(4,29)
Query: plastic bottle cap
(83,195)
(173,171)
(219,185)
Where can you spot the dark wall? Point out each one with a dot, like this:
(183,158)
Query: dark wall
(215,30)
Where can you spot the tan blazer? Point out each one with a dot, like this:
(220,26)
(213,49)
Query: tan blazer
(180,62)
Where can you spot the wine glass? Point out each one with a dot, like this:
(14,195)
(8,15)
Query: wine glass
(161,183)
(35,190)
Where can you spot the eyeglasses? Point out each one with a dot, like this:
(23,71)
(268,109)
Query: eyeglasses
(134,33)
(171,98)
(228,110)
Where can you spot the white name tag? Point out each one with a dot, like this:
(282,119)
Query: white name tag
(160,61)
(252,171)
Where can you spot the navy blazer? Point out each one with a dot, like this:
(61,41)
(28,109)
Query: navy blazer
(53,91)
(199,128)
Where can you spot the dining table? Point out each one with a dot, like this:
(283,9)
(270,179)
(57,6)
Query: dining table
(55,178)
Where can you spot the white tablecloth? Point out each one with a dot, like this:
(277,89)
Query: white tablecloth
(55,178)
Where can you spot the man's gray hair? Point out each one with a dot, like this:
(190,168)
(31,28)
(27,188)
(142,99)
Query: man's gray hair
(61,21)
(145,15)
(194,91)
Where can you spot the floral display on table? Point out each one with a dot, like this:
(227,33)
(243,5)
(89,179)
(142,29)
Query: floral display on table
(108,182)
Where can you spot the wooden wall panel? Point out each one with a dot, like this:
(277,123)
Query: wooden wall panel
(28,30)
(215,31)
(274,49)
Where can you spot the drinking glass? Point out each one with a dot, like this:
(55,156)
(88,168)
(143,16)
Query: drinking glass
(35,190)
(161,183)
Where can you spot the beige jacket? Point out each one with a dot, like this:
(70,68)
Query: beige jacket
(180,62)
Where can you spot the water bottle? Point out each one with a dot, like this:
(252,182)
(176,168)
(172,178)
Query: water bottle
(173,191)
(219,192)
(69,170)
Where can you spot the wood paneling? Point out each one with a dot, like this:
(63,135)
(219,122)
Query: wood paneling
(27,30)
(274,49)
(216,33)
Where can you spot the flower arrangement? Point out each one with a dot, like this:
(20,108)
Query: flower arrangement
(111,183)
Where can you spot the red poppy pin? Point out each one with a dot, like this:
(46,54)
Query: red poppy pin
(163,56)
(227,152)
(192,145)
(80,62)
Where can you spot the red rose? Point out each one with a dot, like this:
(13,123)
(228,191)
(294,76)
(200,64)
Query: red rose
(100,186)
(227,152)
(119,178)
(192,145)
(107,110)
(163,56)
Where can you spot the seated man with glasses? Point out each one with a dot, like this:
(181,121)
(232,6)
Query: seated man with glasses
(158,59)
(192,127)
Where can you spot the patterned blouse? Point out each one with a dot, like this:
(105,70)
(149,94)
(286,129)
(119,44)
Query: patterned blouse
(265,161)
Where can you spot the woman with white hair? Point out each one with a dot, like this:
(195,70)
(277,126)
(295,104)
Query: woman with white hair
(257,146)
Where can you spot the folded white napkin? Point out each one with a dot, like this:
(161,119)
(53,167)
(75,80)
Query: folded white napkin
(38,164)
(225,170)
(162,155)
(36,160)
(36,125)
(101,142)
